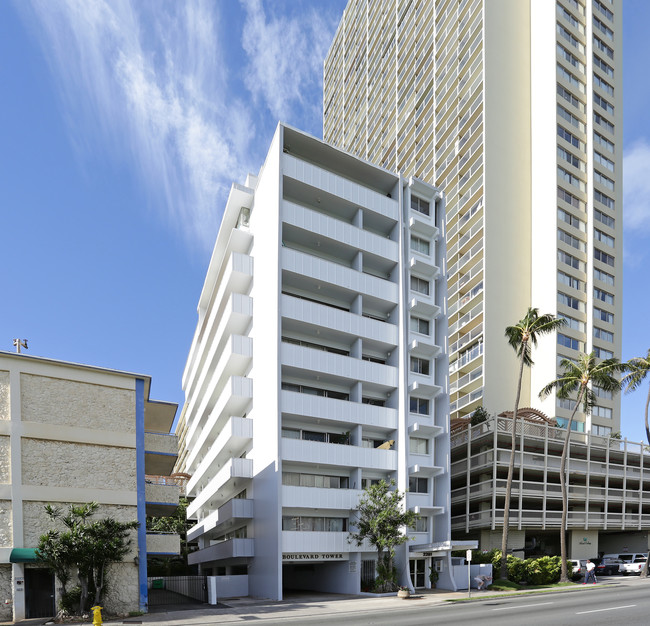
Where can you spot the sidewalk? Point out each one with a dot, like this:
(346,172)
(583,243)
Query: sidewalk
(233,610)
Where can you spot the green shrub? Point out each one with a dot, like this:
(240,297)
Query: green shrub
(69,602)
(543,571)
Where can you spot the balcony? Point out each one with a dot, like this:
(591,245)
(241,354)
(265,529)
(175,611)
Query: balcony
(160,499)
(163,544)
(320,498)
(302,541)
(161,452)
(302,451)
(229,549)
(225,517)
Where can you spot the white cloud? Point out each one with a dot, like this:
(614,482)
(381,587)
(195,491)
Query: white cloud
(150,81)
(285,61)
(636,187)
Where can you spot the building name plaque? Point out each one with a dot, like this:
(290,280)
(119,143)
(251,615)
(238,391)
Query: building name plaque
(314,556)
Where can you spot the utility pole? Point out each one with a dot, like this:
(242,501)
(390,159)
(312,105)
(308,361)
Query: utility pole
(20,343)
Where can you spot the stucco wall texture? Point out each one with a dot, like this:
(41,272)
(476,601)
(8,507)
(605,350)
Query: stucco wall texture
(5,460)
(6,610)
(6,534)
(71,403)
(4,395)
(63,464)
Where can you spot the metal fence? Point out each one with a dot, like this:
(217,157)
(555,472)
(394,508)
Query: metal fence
(165,590)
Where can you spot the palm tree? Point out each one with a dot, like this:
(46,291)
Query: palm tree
(577,377)
(522,336)
(638,369)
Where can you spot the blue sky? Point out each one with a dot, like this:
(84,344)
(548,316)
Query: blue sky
(122,125)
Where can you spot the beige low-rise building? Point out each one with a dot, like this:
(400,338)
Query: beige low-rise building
(71,434)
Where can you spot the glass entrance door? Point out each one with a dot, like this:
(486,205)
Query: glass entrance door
(417,567)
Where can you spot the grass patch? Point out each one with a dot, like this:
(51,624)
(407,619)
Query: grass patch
(503,584)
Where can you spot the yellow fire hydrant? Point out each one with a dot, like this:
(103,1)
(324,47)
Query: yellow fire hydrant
(97,615)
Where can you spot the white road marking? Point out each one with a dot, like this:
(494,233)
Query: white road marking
(611,608)
(520,606)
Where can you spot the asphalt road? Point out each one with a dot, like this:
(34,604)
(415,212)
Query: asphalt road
(627,605)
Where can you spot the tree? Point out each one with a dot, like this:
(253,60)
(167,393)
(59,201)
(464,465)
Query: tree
(522,337)
(86,545)
(179,525)
(380,520)
(638,369)
(479,416)
(577,378)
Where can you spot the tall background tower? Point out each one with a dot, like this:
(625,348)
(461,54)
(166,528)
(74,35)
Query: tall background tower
(514,109)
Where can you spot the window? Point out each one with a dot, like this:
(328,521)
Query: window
(312,435)
(601,393)
(570,137)
(569,198)
(419,406)
(601,431)
(419,325)
(604,104)
(576,426)
(570,240)
(603,47)
(373,401)
(564,33)
(420,285)
(601,353)
(418,445)
(296,479)
(604,161)
(604,10)
(570,178)
(420,366)
(603,257)
(599,235)
(603,199)
(603,218)
(570,260)
(603,276)
(570,78)
(569,342)
(570,158)
(314,391)
(603,84)
(420,205)
(573,323)
(569,280)
(418,485)
(562,12)
(604,142)
(421,525)
(604,29)
(603,316)
(604,335)
(603,180)
(570,301)
(570,98)
(603,296)
(569,117)
(604,67)
(566,403)
(601,121)
(314,524)
(420,245)
(570,219)
(602,411)
(563,53)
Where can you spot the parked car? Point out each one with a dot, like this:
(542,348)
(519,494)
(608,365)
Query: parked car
(607,567)
(624,557)
(578,566)
(633,568)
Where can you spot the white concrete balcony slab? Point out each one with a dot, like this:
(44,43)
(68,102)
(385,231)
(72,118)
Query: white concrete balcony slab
(424,306)
(163,543)
(424,389)
(327,363)
(342,187)
(320,498)
(221,487)
(425,468)
(223,518)
(336,230)
(236,395)
(423,429)
(317,407)
(298,541)
(160,453)
(301,451)
(426,510)
(341,321)
(418,347)
(230,549)
(330,273)
(423,267)
(235,435)
(234,359)
(423,225)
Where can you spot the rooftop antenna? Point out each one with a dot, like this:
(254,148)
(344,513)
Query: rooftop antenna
(20,343)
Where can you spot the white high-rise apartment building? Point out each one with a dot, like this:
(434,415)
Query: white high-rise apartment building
(318,366)
(514,109)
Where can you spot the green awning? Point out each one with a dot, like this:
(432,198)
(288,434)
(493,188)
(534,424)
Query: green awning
(23,555)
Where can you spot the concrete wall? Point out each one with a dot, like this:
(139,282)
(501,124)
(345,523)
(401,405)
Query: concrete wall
(5,592)
(5,460)
(123,592)
(583,544)
(491,540)
(4,395)
(5,525)
(73,403)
